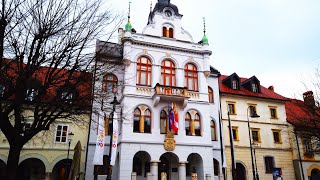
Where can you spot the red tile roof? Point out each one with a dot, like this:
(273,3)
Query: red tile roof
(299,114)
(265,92)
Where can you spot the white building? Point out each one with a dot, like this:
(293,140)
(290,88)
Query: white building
(159,66)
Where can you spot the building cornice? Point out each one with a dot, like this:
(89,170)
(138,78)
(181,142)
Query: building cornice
(167,47)
(262,148)
(256,122)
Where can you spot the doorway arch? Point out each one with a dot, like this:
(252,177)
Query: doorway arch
(141,164)
(195,165)
(61,169)
(315,174)
(168,165)
(31,168)
(241,172)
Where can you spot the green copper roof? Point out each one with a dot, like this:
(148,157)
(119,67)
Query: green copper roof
(205,40)
(128,26)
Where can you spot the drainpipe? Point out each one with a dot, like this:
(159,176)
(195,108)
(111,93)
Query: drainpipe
(300,161)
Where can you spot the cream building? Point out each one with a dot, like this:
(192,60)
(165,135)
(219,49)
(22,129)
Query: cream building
(270,140)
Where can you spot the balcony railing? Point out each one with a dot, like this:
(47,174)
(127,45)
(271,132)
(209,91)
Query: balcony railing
(171,91)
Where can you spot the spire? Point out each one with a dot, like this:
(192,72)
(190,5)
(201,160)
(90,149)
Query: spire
(151,6)
(128,26)
(204,39)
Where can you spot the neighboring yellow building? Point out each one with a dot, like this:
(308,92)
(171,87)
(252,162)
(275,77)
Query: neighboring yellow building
(270,136)
(304,128)
(49,154)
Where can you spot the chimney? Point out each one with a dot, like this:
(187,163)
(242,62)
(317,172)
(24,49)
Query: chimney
(308,99)
(120,35)
(271,88)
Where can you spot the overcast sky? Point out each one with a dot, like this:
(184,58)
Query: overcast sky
(278,41)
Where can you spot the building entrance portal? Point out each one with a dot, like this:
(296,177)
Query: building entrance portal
(168,166)
(240,172)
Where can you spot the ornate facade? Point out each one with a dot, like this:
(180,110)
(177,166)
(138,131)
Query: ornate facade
(160,66)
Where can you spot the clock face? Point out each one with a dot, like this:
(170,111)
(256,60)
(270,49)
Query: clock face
(168,13)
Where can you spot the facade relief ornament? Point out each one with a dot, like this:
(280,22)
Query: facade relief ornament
(169,142)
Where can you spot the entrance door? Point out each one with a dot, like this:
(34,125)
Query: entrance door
(315,174)
(164,166)
(240,172)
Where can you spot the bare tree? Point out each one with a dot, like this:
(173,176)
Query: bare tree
(49,47)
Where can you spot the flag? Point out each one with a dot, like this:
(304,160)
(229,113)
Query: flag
(115,134)
(175,126)
(170,116)
(98,154)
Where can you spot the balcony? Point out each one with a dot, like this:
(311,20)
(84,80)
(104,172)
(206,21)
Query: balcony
(170,94)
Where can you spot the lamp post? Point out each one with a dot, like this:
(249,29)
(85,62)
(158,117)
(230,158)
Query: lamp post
(69,143)
(233,168)
(255,161)
(252,115)
(114,103)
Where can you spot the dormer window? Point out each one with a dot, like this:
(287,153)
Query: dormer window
(234,84)
(67,96)
(31,94)
(2,89)
(254,87)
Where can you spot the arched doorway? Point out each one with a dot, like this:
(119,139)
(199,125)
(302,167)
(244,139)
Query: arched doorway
(315,174)
(216,167)
(61,170)
(169,165)
(2,169)
(195,165)
(30,169)
(141,164)
(241,173)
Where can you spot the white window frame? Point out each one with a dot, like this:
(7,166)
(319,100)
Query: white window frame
(30,96)
(234,84)
(55,134)
(254,87)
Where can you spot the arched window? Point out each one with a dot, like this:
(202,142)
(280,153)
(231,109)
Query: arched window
(110,83)
(188,122)
(191,77)
(163,122)
(136,120)
(213,131)
(170,32)
(147,121)
(210,95)
(197,125)
(168,73)
(144,68)
(164,32)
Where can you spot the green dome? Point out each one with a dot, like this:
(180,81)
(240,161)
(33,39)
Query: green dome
(205,40)
(128,26)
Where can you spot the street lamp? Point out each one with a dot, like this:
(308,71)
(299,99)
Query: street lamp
(253,114)
(114,103)
(68,163)
(233,168)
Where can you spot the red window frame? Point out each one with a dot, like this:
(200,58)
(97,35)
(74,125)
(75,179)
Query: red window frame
(164,32)
(210,95)
(188,118)
(148,71)
(170,32)
(191,72)
(197,119)
(113,81)
(172,73)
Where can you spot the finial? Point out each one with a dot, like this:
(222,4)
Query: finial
(204,39)
(128,26)
(204,25)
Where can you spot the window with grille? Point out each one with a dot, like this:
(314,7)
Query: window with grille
(144,71)
(269,164)
(61,133)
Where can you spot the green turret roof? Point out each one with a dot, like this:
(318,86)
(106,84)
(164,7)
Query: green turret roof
(128,26)
(205,40)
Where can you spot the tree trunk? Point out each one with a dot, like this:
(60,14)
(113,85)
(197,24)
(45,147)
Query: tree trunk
(13,161)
